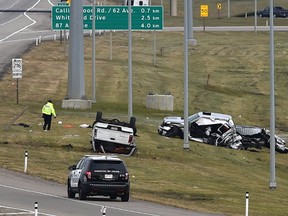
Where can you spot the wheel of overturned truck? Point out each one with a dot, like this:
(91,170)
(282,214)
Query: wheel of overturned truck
(132,124)
(98,116)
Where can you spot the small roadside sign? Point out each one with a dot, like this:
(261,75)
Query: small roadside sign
(17,68)
(204,10)
(219,6)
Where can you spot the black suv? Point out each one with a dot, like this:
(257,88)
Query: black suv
(99,175)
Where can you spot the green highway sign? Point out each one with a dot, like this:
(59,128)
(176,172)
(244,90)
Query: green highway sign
(111,17)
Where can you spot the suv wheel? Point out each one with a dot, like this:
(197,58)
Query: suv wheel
(125,197)
(70,193)
(82,194)
(113,197)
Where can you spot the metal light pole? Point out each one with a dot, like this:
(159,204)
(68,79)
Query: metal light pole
(93,55)
(186,140)
(130,106)
(191,39)
(76,81)
(255,16)
(228,8)
(272,183)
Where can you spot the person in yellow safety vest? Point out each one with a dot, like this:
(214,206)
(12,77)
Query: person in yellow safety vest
(47,112)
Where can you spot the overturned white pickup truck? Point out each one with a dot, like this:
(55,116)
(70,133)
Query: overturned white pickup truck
(113,136)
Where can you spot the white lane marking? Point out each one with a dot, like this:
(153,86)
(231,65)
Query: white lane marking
(24,211)
(79,201)
(11,5)
(25,14)
(15,17)
(16,213)
(50,3)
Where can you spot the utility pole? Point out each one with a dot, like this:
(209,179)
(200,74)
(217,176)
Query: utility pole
(130,88)
(186,140)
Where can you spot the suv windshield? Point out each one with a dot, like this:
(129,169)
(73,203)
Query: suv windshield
(98,165)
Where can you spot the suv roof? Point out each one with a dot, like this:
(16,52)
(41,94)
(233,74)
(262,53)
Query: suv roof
(103,157)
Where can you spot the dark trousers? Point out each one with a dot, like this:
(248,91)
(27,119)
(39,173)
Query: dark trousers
(47,121)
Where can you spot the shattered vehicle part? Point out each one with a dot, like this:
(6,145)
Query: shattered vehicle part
(114,136)
(259,137)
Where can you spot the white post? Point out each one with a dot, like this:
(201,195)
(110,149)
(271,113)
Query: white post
(36,208)
(40,39)
(37,41)
(247,203)
(55,36)
(26,161)
(103,210)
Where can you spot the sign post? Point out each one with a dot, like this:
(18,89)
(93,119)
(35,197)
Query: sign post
(204,14)
(219,7)
(17,74)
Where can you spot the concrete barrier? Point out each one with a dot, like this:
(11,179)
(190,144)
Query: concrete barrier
(160,102)
(76,104)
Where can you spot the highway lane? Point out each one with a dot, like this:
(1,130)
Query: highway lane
(21,191)
(19,30)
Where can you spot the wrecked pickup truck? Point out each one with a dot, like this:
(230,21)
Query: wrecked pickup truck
(206,127)
(113,136)
(219,130)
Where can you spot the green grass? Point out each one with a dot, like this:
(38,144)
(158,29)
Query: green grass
(228,73)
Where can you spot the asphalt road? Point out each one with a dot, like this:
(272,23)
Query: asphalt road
(19,30)
(19,192)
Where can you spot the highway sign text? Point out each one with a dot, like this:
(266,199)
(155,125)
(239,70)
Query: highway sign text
(204,10)
(17,68)
(111,17)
